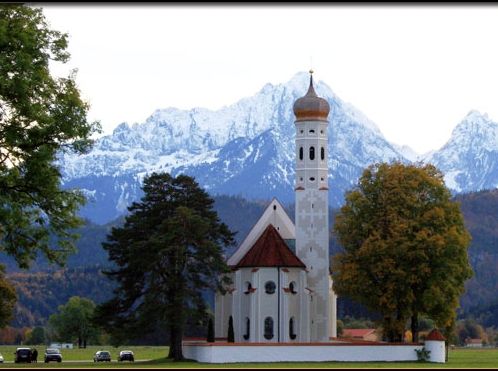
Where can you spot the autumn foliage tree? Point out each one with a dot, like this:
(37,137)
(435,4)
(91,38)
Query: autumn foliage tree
(404,247)
(168,252)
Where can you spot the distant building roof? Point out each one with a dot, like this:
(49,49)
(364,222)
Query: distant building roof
(473,341)
(270,250)
(357,332)
(435,335)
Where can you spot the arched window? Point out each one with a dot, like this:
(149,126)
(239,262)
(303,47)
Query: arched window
(270,287)
(301,153)
(292,333)
(312,153)
(248,329)
(322,153)
(248,288)
(268,328)
(292,286)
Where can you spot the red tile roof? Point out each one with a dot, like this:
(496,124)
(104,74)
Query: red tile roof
(270,250)
(435,335)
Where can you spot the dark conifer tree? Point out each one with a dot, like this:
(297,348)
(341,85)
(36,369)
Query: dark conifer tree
(231,334)
(169,250)
(210,332)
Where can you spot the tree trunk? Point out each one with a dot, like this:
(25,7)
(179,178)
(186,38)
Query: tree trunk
(175,346)
(84,343)
(79,341)
(415,327)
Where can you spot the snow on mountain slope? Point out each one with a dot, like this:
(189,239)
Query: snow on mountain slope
(246,148)
(469,160)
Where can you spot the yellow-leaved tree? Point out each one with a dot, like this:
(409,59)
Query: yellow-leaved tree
(404,247)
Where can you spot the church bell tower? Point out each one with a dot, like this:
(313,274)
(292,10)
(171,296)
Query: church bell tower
(312,209)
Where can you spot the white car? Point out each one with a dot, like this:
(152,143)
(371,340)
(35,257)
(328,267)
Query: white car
(1,358)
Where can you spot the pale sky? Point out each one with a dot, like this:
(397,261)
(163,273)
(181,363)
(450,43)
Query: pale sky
(416,71)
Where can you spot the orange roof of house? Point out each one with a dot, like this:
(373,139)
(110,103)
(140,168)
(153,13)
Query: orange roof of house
(435,335)
(357,332)
(270,250)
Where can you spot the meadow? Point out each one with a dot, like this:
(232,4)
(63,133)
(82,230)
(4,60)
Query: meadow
(155,357)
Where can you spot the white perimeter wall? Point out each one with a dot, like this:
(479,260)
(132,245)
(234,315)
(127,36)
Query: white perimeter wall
(303,353)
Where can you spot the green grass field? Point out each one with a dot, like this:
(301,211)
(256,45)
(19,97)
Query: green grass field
(155,357)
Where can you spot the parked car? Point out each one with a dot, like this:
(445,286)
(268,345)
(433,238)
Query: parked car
(52,354)
(1,358)
(22,355)
(126,355)
(101,356)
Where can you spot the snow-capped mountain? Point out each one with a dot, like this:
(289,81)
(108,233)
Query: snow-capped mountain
(469,160)
(246,149)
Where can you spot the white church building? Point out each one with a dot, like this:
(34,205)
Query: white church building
(282,288)
(281,302)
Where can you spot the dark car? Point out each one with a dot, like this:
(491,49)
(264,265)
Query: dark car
(52,355)
(126,355)
(102,356)
(22,355)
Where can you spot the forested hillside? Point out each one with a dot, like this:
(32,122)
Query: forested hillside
(42,289)
(480,211)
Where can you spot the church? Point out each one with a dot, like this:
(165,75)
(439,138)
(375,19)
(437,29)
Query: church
(281,289)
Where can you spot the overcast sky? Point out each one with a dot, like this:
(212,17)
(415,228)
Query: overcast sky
(416,71)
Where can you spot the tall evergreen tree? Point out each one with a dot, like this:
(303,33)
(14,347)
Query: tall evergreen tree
(405,247)
(168,252)
(210,331)
(231,333)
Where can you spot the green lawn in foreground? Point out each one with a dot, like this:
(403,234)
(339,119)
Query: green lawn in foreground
(155,355)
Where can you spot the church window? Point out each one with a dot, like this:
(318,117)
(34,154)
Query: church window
(274,207)
(322,153)
(312,153)
(301,179)
(301,153)
(248,329)
(322,179)
(270,287)
(248,288)
(321,131)
(312,179)
(292,287)
(268,328)
(312,131)
(301,131)
(292,333)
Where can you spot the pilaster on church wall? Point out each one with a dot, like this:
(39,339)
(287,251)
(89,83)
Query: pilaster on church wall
(237,298)
(304,312)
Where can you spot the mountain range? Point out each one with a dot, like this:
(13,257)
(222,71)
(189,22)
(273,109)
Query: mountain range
(247,149)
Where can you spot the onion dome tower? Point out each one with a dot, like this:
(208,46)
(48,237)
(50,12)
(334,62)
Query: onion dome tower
(312,209)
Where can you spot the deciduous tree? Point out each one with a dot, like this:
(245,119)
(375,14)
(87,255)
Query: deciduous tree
(169,250)
(40,117)
(405,247)
(74,321)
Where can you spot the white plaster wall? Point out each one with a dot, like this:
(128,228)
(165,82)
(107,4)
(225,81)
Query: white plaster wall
(223,309)
(301,353)
(247,302)
(291,303)
(437,351)
(267,304)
